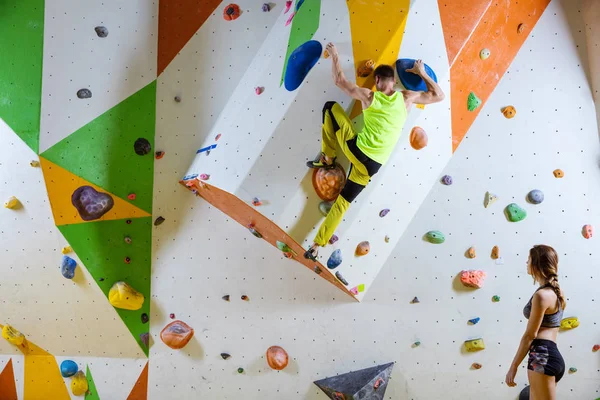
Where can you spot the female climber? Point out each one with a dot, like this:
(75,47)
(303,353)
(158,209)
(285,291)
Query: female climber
(384,112)
(544,312)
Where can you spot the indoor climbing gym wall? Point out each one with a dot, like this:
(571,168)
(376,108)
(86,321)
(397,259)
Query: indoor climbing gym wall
(157,203)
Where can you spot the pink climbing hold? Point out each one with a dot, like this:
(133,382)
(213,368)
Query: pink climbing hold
(204,177)
(354,290)
(288,5)
(587,231)
(289,21)
(172,316)
(472,278)
(259,90)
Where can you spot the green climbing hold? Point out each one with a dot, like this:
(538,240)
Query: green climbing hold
(435,237)
(496,298)
(514,213)
(473,102)
(240,370)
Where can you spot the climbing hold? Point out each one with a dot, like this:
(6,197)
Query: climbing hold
(472,278)
(495,252)
(484,54)
(84,93)
(68,368)
(514,213)
(225,356)
(145,338)
(101,279)
(410,80)
(299,4)
(127,239)
(217,137)
(290,18)
(326,54)
(341,278)
(231,12)
(476,366)
(288,5)
(386,239)
(521,27)
(335,259)
(490,199)
(159,154)
(128,222)
(172,316)
(256,202)
(123,296)
(277,358)
(255,232)
(301,61)
(447,180)
(473,102)
(226,297)
(66,250)
(91,204)
(509,112)
(317,270)
(79,384)
(101,31)
(176,334)
(558,173)
(240,370)
(416,344)
(418,138)
(334,238)
(474,321)
(131,196)
(67,267)
(266,7)
(145,318)
(474,345)
(204,177)
(569,323)
(34,163)
(384,212)
(471,252)
(142,147)
(11,203)
(572,370)
(535,196)
(366,68)
(127,260)
(285,248)
(245,298)
(177,99)
(435,237)
(12,335)
(587,231)
(325,207)
(495,298)
(524,395)
(362,249)
(596,348)
(158,221)
(354,290)
(415,300)
(328,183)
(258,90)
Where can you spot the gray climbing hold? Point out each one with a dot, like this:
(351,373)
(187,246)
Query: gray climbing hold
(145,338)
(225,356)
(535,196)
(524,395)
(266,7)
(415,300)
(101,31)
(447,180)
(335,259)
(365,384)
(84,93)
(325,207)
(177,99)
(158,221)
(341,278)
(226,297)
(435,237)
(473,102)
(514,213)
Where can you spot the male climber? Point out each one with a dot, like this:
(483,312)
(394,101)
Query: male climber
(384,112)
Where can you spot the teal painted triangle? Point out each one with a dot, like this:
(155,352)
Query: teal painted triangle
(92,393)
(304,26)
(21,43)
(102,151)
(102,249)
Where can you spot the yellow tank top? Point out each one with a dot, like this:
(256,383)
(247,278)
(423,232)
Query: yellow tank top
(384,120)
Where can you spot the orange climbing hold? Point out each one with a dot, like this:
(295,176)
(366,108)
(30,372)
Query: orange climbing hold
(558,173)
(495,252)
(177,334)
(328,183)
(418,138)
(277,358)
(472,278)
(471,252)
(231,12)
(363,249)
(366,69)
(509,112)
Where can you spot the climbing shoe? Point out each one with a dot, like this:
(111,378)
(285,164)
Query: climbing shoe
(319,162)
(311,254)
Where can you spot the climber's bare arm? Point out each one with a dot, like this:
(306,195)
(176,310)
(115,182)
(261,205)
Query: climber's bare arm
(434,93)
(365,96)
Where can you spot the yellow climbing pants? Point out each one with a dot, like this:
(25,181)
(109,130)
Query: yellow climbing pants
(338,130)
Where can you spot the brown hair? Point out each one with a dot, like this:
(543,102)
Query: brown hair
(384,72)
(544,267)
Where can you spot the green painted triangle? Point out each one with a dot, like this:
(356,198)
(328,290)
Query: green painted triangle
(102,249)
(21,41)
(304,26)
(102,151)
(92,393)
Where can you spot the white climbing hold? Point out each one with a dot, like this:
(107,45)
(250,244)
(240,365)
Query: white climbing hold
(490,199)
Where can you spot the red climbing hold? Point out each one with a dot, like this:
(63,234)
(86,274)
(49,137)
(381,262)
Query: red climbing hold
(217,137)
(131,196)
(596,348)
(259,90)
(172,316)
(231,12)
(159,154)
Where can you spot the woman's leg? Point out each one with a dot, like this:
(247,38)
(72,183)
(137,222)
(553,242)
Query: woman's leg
(543,387)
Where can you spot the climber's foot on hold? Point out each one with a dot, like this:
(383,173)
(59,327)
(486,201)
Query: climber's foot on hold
(322,162)
(312,252)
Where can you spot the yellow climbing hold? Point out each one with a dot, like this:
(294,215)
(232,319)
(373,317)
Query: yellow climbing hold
(121,295)
(66,250)
(569,323)
(79,384)
(11,203)
(474,345)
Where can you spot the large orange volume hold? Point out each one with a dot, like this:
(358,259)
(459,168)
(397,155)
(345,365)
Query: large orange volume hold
(176,335)
(328,183)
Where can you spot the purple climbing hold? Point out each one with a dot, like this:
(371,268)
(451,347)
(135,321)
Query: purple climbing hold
(447,180)
(145,338)
(334,238)
(91,204)
(266,7)
(67,267)
(384,212)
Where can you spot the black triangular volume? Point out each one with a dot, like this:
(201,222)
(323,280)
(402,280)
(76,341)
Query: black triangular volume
(365,384)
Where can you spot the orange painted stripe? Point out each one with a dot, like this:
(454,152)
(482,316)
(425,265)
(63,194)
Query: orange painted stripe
(459,18)
(140,389)
(496,31)
(8,389)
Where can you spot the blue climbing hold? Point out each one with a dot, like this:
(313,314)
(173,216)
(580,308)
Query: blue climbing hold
(335,259)
(300,63)
(409,80)
(68,368)
(299,4)
(474,321)
(67,268)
